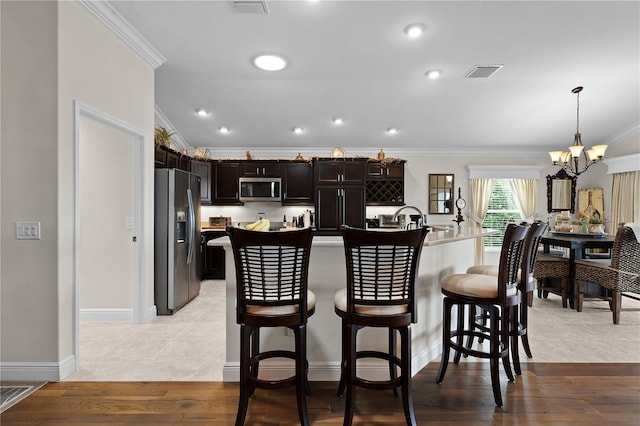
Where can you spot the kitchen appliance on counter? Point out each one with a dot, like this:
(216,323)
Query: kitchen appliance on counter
(387,221)
(178,260)
(219,222)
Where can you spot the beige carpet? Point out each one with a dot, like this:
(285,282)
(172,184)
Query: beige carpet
(190,344)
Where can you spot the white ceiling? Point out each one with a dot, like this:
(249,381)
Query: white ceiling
(352,59)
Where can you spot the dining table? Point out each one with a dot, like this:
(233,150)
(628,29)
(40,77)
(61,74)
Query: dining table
(577,243)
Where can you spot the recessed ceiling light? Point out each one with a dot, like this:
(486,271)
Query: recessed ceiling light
(433,74)
(270,62)
(338,120)
(224,129)
(297,130)
(392,130)
(202,112)
(415,30)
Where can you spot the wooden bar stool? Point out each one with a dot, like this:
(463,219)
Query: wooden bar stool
(498,297)
(527,283)
(380,292)
(271,274)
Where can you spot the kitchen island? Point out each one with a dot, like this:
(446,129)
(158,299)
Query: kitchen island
(447,250)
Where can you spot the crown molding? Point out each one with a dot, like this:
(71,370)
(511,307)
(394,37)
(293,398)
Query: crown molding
(162,120)
(113,21)
(623,134)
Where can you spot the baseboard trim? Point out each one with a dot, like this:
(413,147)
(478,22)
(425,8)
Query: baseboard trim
(37,371)
(108,315)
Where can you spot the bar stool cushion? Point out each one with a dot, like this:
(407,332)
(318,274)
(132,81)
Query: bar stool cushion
(483,269)
(340,301)
(283,309)
(475,285)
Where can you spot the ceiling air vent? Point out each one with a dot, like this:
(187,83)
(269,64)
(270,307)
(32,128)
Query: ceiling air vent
(482,71)
(256,7)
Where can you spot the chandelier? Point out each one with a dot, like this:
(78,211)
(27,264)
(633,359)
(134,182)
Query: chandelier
(571,159)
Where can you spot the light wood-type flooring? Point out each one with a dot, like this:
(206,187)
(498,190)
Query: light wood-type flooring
(546,393)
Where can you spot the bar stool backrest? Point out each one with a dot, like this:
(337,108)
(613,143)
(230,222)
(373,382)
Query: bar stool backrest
(510,260)
(271,269)
(381,267)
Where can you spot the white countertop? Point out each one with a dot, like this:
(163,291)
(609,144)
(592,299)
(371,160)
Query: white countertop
(438,235)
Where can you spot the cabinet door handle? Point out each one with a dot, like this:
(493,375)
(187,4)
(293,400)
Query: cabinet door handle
(257,170)
(263,171)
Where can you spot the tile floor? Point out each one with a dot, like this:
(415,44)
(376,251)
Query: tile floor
(190,344)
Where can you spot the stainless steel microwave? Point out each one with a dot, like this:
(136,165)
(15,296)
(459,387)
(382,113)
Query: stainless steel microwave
(260,189)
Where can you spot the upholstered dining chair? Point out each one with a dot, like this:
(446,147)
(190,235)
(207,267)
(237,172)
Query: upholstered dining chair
(498,297)
(622,275)
(271,281)
(380,292)
(527,283)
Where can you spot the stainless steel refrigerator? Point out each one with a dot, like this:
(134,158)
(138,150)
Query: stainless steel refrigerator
(178,260)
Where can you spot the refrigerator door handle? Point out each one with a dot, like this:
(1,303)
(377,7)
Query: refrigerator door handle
(191,227)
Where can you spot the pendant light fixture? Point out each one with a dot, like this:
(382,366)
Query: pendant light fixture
(571,159)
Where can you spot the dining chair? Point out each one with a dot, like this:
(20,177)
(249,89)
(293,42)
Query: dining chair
(622,275)
(549,267)
(498,297)
(380,292)
(272,291)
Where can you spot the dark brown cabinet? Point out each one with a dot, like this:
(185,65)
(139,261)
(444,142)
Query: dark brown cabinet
(256,168)
(340,194)
(297,183)
(213,265)
(339,171)
(339,205)
(385,184)
(225,188)
(203,169)
(167,158)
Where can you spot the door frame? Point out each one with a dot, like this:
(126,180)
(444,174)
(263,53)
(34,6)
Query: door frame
(139,278)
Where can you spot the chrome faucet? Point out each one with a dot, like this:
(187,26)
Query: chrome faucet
(421,220)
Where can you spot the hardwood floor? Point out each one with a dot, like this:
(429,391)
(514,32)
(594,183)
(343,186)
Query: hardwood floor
(546,393)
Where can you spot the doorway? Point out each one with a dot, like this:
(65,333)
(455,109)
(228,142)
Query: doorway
(108,219)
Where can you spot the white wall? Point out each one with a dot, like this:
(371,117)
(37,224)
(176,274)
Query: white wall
(52,54)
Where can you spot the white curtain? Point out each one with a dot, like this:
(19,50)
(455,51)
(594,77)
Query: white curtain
(480,195)
(526,191)
(625,199)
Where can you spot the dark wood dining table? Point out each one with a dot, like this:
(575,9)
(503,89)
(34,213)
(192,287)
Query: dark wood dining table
(576,243)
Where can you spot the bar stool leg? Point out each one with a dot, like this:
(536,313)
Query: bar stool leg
(446,339)
(392,352)
(301,373)
(343,362)
(245,360)
(405,366)
(350,373)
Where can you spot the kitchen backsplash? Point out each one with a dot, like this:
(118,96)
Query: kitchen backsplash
(273,211)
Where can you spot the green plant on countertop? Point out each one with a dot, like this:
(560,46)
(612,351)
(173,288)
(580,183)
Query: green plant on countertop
(162,136)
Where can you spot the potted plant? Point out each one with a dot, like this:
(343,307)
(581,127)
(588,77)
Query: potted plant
(162,136)
(595,225)
(576,226)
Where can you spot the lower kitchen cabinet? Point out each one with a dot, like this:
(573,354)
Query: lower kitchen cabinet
(339,205)
(213,265)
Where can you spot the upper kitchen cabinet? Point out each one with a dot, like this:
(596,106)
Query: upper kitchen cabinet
(297,182)
(385,183)
(225,177)
(203,169)
(258,168)
(341,171)
(167,158)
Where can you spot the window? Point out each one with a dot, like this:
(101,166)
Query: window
(503,208)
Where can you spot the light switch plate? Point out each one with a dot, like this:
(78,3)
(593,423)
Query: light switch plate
(27,230)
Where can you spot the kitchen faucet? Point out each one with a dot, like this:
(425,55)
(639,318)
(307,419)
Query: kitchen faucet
(421,220)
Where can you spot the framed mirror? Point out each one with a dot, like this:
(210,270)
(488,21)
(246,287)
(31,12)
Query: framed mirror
(561,192)
(440,194)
